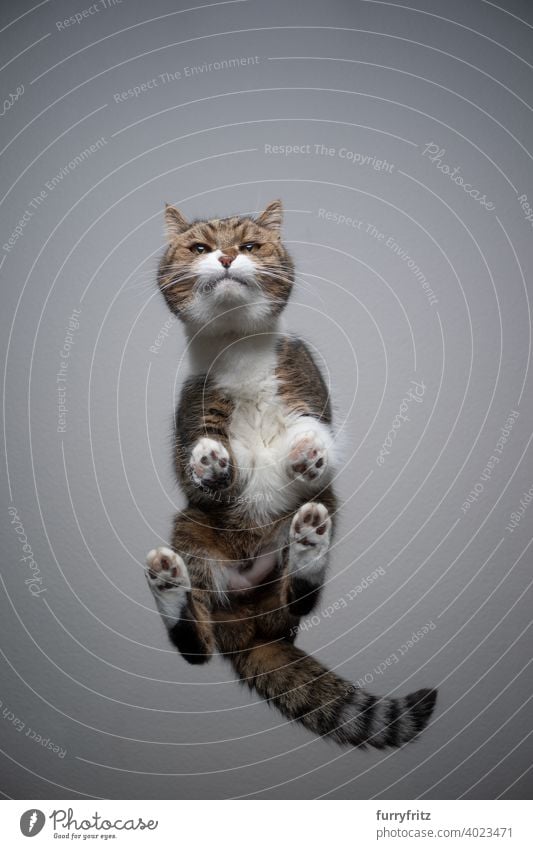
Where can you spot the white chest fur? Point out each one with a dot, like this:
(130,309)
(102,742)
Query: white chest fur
(258,437)
(244,369)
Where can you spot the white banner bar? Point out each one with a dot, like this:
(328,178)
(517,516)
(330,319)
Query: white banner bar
(267,824)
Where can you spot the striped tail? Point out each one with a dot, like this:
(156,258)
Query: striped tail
(306,691)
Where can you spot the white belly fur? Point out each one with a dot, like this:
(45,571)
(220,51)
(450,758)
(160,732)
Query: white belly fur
(258,437)
(245,370)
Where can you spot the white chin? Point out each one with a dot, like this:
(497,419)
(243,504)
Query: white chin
(229,311)
(230,288)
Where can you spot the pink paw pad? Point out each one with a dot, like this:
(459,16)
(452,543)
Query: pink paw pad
(308,456)
(311,525)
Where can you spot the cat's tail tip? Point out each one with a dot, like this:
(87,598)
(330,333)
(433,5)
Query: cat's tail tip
(387,721)
(422,704)
(425,701)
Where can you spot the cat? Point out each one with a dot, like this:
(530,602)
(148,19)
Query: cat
(255,454)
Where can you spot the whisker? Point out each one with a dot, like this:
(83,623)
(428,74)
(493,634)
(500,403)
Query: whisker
(176,280)
(299,281)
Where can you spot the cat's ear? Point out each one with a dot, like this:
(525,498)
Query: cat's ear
(272,216)
(175,222)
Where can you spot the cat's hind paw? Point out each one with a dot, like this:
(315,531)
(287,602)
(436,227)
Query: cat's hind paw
(166,570)
(169,581)
(309,541)
(311,527)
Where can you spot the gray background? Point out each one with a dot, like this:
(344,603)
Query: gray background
(86,663)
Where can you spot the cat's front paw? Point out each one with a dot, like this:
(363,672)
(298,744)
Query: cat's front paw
(209,464)
(308,457)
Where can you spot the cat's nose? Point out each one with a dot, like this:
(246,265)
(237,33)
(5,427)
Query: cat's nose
(225,260)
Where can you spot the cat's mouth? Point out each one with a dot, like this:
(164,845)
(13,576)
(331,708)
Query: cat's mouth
(226,282)
(230,278)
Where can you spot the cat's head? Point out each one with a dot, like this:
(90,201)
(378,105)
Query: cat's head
(226,274)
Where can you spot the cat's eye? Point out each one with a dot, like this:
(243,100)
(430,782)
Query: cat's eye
(199,248)
(249,246)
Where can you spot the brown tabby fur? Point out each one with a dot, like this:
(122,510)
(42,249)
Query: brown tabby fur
(255,628)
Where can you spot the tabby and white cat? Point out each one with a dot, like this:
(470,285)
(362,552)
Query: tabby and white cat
(255,455)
